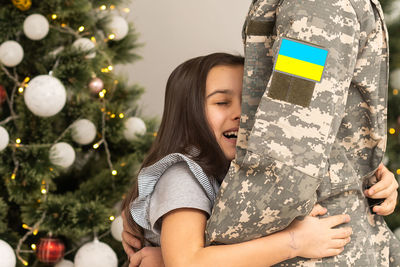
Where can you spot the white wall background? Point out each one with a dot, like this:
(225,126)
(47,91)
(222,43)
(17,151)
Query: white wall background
(173,31)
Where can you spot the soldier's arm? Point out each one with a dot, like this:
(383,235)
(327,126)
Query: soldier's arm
(295,125)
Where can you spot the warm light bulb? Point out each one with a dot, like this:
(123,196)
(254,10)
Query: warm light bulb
(395,92)
(21,90)
(110,68)
(18,141)
(122,164)
(121,115)
(112,7)
(96,146)
(112,116)
(112,218)
(35,232)
(13,176)
(33,246)
(25,226)
(93,39)
(111,36)
(103,7)
(81,29)
(127,10)
(27,79)
(398,171)
(51,169)
(24,262)
(392,131)
(155,134)
(63,25)
(114,172)
(54,16)
(101,94)
(43,191)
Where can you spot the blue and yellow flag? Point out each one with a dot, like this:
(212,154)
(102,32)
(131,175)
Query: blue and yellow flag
(302,60)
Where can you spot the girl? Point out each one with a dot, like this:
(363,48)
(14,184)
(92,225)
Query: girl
(179,180)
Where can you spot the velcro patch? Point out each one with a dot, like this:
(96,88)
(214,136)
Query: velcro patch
(260,28)
(291,89)
(299,59)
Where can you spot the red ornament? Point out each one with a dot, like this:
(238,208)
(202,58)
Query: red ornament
(50,250)
(3,94)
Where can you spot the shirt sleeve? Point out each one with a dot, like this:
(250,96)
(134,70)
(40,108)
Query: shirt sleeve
(177,188)
(295,125)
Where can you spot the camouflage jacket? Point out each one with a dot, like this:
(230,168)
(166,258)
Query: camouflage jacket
(313,125)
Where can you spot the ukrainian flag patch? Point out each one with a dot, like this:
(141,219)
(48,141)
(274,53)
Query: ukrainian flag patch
(301,60)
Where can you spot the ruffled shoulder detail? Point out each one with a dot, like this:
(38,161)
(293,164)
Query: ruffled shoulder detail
(147,180)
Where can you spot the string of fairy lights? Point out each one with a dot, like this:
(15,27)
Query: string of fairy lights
(19,89)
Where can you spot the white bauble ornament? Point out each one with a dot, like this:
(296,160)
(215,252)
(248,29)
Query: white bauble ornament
(85,44)
(97,254)
(4,138)
(117,228)
(397,233)
(395,79)
(11,53)
(7,258)
(64,263)
(83,131)
(36,27)
(62,154)
(45,96)
(96,85)
(119,27)
(133,126)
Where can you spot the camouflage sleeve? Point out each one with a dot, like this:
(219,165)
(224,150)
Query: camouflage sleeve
(295,124)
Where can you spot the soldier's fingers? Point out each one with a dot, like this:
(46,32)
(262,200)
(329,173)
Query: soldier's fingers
(128,249)
(136,259)
(387,207)
(339,243)
(386,192)
(318,210)
(131,240)
(342,232)
(336,220)
(384,181)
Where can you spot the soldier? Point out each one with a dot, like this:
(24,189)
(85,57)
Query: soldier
(313,126)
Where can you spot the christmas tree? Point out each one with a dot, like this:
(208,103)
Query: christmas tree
(392,159)
(71,140)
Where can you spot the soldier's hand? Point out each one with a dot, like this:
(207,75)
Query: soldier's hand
(385,188)
(129,241)
(147,257)
(318,238)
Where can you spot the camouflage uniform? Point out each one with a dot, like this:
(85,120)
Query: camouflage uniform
(301,141)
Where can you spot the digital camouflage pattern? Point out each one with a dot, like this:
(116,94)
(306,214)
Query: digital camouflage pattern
(290,156)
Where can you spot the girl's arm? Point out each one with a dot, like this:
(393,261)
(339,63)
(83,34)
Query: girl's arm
(182,242)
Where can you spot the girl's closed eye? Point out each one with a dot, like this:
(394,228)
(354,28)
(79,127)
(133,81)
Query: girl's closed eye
(223,103)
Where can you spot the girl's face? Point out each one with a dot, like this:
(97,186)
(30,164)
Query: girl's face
(223,105)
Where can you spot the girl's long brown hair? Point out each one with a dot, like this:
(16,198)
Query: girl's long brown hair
(184,124)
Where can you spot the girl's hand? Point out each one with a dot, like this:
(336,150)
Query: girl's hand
(317,238)
(386,188)
(318,210)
